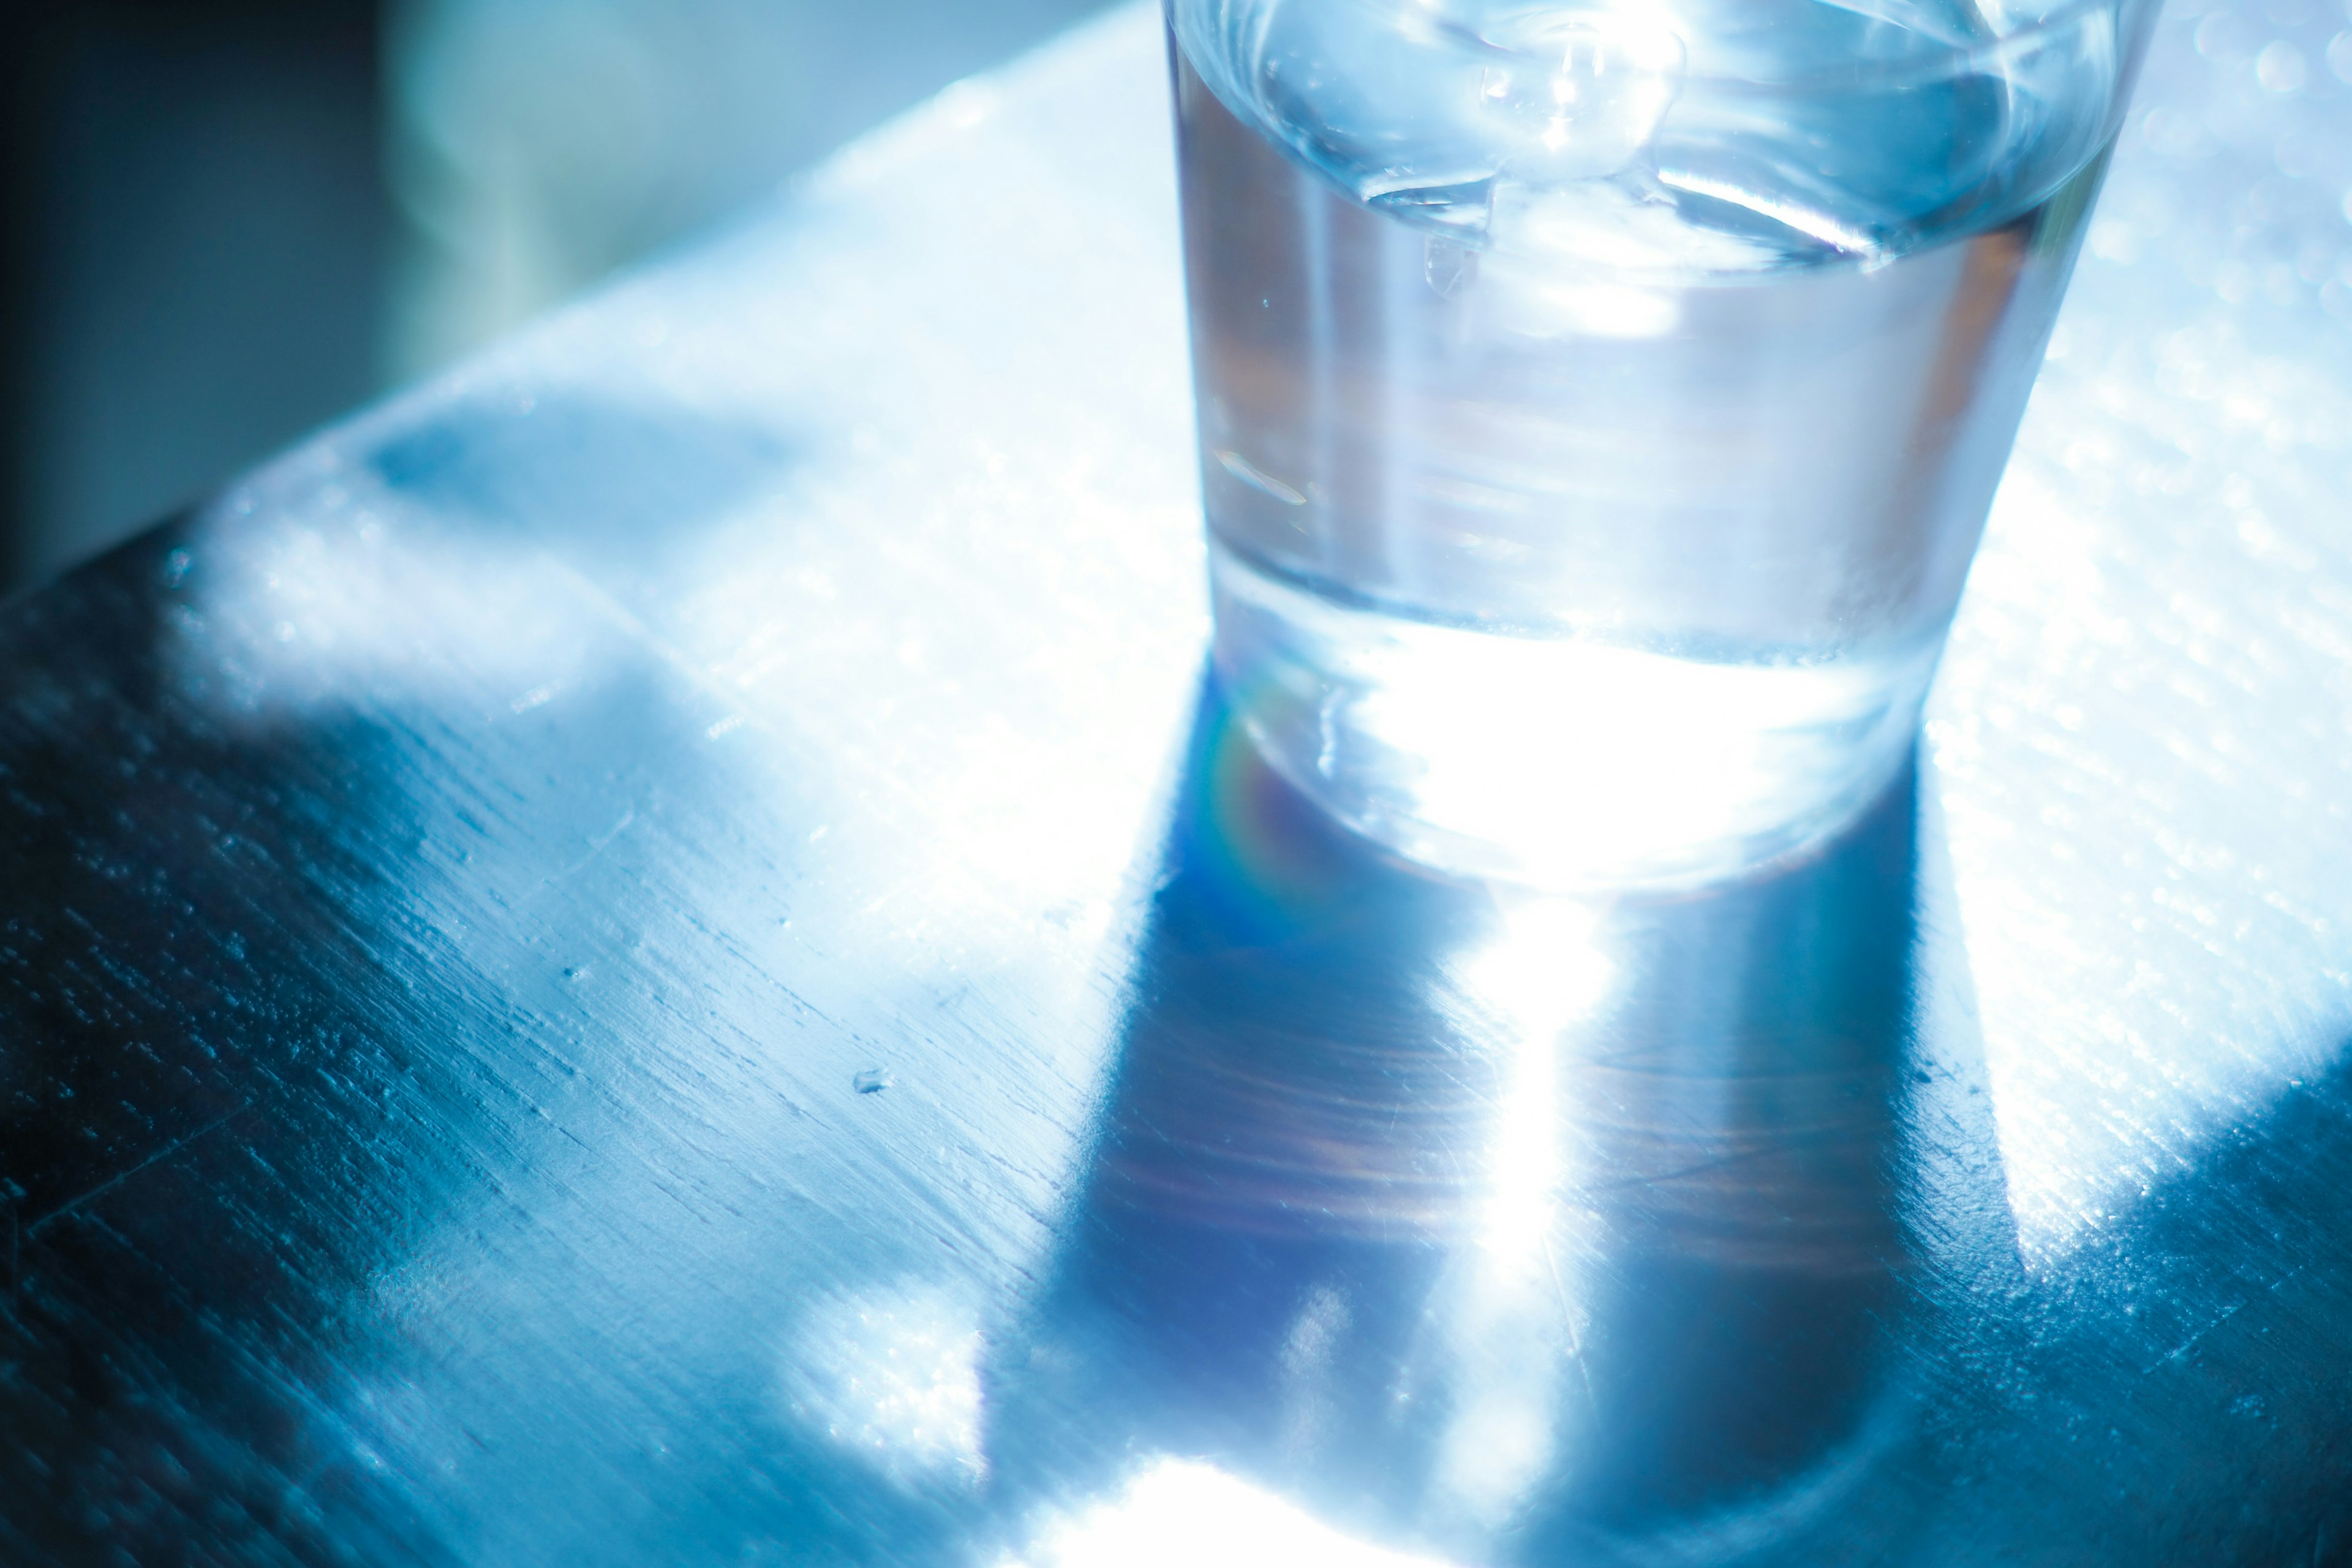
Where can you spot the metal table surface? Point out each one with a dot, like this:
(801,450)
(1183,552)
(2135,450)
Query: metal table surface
(656,954)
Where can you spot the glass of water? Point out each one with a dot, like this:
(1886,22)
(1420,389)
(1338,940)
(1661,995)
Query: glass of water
(1600,401)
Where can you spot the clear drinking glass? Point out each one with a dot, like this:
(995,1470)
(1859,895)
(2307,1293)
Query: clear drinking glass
(1600,403)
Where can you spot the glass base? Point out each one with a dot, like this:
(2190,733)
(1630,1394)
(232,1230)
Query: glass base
(1564,764)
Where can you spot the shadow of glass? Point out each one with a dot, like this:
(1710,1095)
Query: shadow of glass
(1432,1211)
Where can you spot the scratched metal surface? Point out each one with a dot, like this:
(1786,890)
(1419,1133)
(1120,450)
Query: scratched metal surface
(654,954)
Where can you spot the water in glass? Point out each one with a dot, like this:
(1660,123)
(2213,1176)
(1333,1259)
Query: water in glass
(1599,405)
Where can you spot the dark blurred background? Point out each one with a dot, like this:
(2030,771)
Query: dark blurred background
(225,221)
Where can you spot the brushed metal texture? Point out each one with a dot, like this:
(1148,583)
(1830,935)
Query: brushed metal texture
(656,953)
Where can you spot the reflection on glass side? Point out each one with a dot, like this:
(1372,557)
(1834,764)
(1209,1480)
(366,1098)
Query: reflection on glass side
(1599,405)
(1431,1223)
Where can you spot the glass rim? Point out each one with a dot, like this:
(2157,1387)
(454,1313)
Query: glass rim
(1940,64)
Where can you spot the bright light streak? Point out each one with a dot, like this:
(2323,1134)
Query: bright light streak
(1513,1315)
(1544,970)
(892,1376)
(1542,973)
(1181,1514)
